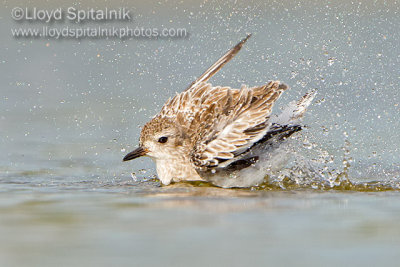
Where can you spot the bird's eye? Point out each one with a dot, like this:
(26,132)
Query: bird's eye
(163,139)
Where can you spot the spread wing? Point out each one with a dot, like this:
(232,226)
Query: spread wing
(218,64)
(229,121)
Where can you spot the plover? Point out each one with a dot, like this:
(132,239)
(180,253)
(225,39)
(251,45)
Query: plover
(218,134)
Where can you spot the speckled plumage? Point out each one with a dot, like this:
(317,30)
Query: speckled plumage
(207,131)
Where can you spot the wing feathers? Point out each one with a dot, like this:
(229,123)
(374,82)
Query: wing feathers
(236,119)
(218,64)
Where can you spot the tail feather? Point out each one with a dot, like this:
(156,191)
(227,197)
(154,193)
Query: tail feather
(303,103)
(295,110)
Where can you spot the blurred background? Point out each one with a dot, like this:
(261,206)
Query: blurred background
(71,109)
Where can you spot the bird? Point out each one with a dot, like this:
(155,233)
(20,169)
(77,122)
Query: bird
(216,134)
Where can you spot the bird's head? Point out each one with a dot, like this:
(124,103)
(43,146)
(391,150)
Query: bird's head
(160,138)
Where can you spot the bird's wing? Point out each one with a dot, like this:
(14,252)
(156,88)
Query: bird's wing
(218,64)
(229,121)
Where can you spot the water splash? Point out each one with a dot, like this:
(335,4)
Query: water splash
(306,174)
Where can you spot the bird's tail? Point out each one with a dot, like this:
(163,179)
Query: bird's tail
(292,114)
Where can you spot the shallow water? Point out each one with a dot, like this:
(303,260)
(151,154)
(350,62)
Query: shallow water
(70,110)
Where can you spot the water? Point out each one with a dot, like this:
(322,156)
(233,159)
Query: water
(70,110)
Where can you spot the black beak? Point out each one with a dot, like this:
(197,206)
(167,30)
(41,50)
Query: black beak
(138,152)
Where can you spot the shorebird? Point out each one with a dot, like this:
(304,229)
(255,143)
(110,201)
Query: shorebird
(221,135)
